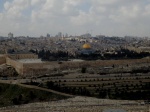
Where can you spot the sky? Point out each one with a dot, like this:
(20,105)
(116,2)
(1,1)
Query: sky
(75,17)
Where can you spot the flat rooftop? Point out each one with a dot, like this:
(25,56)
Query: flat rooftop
(30,60)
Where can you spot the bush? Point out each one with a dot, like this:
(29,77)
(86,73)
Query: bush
(50,84)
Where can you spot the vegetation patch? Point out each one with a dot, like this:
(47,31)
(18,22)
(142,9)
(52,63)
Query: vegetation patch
(16,95)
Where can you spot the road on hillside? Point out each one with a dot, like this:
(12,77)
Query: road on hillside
(34,87)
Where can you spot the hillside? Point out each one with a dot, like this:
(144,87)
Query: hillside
(16,95)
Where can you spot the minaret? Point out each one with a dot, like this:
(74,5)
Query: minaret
(62,37)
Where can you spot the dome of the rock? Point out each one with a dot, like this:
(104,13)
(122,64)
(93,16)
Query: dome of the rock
(86,46)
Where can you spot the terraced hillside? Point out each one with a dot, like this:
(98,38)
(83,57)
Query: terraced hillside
(122,82)
(123,87)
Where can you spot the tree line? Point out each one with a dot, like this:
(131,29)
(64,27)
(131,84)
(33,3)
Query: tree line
(65,55)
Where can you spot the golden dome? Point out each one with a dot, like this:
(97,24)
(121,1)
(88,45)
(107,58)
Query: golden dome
(86,46)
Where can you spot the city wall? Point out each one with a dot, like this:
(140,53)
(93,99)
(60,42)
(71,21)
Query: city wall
(101,63)
(17,65)
(2,60)
(39,68)
(31,69)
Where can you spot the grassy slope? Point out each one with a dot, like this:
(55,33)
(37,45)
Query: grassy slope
(13,93)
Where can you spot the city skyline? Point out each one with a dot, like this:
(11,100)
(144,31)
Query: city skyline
(75,17)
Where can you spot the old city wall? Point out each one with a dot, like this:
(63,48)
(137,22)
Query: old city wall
(39,68)
(2,60)
(101,63)
(46,67)
(17,65)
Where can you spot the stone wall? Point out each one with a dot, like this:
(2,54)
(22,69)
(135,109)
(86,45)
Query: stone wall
(101,63)
(39,68)
(17,65)
(2,60)
(32,69)
(46,67)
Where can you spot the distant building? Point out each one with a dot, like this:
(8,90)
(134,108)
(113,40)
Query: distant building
(87,35)
(100,36)
(10,35)
(86,49)
(59,34)
(48,35)
(66,35)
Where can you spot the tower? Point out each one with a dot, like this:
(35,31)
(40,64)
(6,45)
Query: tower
(59,34)
(10,35)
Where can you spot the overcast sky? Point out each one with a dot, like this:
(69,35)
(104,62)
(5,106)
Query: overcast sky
(75,17)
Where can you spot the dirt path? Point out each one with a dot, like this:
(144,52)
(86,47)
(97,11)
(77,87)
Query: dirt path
(44,89)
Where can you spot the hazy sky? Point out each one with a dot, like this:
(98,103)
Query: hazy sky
(107,17)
